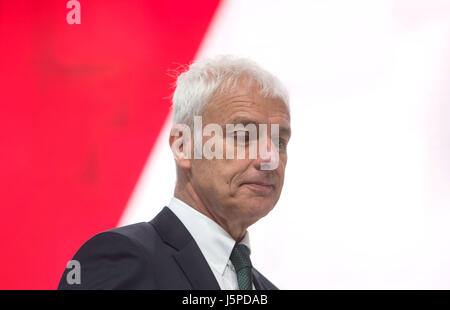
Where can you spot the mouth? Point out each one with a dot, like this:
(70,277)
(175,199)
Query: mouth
(259,186)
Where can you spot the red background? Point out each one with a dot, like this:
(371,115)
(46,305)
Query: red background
(81,107)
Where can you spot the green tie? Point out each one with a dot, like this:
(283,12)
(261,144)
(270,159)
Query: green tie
(240,257)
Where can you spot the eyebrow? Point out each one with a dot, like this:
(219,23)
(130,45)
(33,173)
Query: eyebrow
(245,121)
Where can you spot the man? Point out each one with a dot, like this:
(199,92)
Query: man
(200,240)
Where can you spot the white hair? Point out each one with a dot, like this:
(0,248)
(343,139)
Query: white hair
(207,77)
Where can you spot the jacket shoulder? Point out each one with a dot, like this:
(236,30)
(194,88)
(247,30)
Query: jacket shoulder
(141,234)
(115,259)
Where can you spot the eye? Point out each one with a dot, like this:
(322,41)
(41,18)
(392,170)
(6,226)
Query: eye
(282,145)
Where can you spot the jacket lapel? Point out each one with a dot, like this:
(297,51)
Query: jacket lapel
(257,280)
(195,267)
(188,256)
(260,282)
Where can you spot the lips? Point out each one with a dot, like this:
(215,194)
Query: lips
(259,186)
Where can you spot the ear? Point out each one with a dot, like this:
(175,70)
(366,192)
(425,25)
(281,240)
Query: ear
(180,143)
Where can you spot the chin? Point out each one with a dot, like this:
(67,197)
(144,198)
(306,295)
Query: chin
(258,207)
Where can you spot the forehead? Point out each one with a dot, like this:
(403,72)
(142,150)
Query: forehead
(246,105)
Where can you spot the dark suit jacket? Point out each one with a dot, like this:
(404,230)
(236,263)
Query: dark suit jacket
(160,254)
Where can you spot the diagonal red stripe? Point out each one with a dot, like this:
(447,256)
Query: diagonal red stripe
(81,107)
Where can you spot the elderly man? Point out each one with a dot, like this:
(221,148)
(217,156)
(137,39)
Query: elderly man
(200,240)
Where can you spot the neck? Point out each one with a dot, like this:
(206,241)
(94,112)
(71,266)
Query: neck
(187,194)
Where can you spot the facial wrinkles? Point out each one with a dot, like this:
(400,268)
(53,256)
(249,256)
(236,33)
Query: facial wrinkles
(244,107)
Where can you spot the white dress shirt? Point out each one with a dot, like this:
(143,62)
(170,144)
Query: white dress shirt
(214,242)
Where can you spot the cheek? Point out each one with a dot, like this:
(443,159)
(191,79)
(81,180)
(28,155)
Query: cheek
(217,173)
(203,173)
(231,171)
(280,172)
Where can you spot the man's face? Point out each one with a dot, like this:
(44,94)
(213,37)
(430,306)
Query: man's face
(237,189)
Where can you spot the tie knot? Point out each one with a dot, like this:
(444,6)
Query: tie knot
(240,257)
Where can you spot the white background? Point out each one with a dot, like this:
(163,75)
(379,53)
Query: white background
(366,197)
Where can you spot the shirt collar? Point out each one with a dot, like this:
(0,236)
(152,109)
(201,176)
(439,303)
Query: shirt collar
(214,242)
